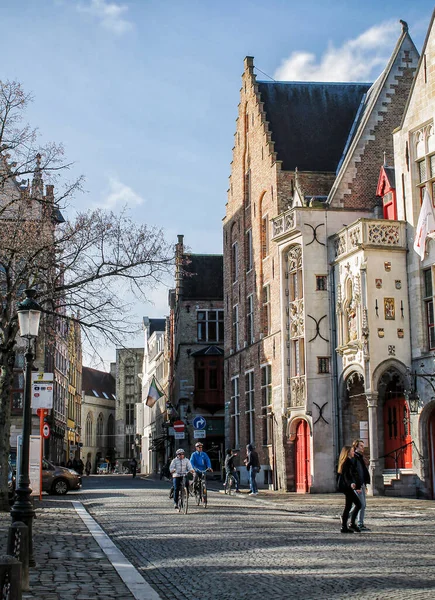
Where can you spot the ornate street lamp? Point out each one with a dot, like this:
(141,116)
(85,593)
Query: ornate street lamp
(412,396)
(29,313)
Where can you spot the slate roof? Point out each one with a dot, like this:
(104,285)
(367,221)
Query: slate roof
(98,383)
(391,176)
(206,281)
(310,122)
(157,325)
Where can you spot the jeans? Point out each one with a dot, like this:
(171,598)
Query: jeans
(351,498)
(177,485)
(252,483)
(362,499)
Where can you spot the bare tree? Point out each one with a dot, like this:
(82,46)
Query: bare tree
(81,267)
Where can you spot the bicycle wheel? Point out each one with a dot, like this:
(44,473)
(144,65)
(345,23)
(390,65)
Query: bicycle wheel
(185,500)
(231,486)
(204,495)
(198,495)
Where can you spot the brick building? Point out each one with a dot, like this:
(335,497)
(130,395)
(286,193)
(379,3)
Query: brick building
(299,321)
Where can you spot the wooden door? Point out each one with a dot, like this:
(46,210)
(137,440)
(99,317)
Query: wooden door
(397,434)
(302,458)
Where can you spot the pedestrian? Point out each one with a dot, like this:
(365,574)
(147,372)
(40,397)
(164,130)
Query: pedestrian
(88,467)
(80,466)
(230,468)
(133,466)
(253,465)
(69,464)
(347,482)
(364,475)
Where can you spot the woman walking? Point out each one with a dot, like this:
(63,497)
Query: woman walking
(348,482)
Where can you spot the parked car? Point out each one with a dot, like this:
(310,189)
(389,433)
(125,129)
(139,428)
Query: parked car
(103,468)
(59,480)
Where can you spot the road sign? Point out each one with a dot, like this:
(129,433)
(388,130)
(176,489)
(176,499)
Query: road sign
(179,435)
(199,422)
(179,427)
(46,431)
(199,433)
(42,390)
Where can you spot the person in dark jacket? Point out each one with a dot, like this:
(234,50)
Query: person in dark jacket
(348,482)
(230,468)
(253,465)
(133,466)
(364,475)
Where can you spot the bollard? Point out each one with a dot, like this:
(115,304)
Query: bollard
(10,578)
(18,547)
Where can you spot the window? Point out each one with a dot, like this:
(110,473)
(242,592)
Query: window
(236,327)
(235,261)
(266,310)
(110,432)
(250,407)
(429,308)
(323,364)
(88,430)
(249,258)
(250,319)
(424,148)
(210,325)
(265,236)
(129,414)
(129,445)
(100,440)
(321,283)
(266,403)
(298,358)
(235,415)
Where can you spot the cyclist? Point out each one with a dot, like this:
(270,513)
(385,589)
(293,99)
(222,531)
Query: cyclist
(200,462)
(179,466)
(230,468)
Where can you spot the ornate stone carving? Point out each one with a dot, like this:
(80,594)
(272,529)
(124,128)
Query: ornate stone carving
(297,326)
(340,245)
(384,234)
(298,391)
(295,258)
(355,236)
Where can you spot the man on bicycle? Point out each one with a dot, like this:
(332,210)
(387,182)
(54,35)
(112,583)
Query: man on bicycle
(179,467)
(200,462)
(230,468)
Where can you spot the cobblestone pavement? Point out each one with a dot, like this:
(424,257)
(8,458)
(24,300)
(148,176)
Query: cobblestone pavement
(279,546)
(70,564)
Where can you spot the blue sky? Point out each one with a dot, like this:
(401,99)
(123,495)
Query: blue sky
(144,93)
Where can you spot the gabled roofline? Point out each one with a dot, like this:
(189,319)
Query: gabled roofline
(373,98)
(416,72)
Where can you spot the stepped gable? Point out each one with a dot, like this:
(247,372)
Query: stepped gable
(203,277)
(310,122)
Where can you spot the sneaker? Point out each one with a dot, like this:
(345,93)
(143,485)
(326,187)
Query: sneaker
(255,493)
(175,507)
(345,530)
(355,527)
(363,528)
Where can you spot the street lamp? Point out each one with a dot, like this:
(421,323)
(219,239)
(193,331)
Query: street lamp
(412,396)
(29,313)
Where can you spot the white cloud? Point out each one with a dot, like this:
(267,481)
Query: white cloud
(119,195)
(359,59)
(109,14)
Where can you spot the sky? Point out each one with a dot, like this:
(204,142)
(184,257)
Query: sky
(143,94)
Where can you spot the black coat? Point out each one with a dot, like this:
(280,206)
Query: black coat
(350,475)
(361,467)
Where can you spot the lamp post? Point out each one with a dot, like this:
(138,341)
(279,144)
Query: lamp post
(29,313)
(412,396)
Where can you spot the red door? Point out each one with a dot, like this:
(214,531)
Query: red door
(397,434)
(302,457)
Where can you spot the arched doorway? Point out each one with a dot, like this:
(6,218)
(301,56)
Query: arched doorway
(397,431)
(302,457)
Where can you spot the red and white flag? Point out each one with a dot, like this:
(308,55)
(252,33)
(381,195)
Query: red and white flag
(425,225)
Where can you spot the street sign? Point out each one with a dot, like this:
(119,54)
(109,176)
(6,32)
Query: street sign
(179,435)
(46,431)
(199,433)
(42,390)
(178,427)
(199,422)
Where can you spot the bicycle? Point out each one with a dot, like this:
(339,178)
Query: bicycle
(183,496)
(231,485)
(201,489)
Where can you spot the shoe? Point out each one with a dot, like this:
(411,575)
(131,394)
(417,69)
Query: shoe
(255,493)
(345,530)
(363,528)
(355,527)
(175,507)
(238,492)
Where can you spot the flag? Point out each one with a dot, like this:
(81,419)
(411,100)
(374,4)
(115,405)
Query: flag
(153,393)
(425,225)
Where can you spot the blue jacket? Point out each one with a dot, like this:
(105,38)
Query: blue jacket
(200,461)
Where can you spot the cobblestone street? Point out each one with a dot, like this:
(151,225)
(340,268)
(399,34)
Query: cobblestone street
(274,545)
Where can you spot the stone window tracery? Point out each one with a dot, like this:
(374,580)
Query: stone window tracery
(296,326)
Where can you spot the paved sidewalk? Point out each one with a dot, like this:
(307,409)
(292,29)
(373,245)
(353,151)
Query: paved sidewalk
(70,563)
